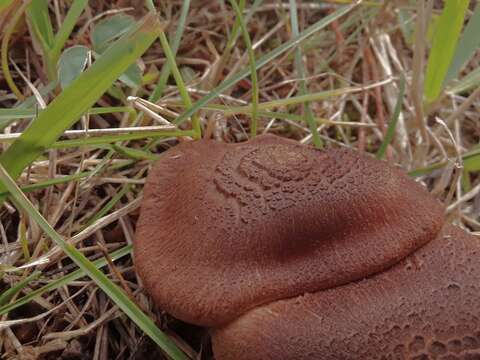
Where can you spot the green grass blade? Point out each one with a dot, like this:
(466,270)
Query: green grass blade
(467,45)
(11,292)
(19,113)
(443,47)
(392,124)
(39,18)
(108,139)
(294,100)
(232,39)
(150,5)
(67,178)
(228,111)
(472,158)
(62,281)
(4,4)
(42,28)
(111,110)
(68,24)
(253,66)
(472,164)
(47,183)
(264,60)
(470,81)
(309,118)
(75,100)
(180,84)
(175,43)
(110,204)
(29,102)
(115,293)
(235,32)
(135,154)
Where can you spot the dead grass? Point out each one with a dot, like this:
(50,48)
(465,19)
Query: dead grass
(99,210)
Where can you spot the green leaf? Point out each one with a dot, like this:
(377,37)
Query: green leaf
(443,48)
(132,77)
(39,19)
(107,30)
(467,45)
(71,64)
(77,98)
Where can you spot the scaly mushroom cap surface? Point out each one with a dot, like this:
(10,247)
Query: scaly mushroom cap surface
(425,307)
(225,228)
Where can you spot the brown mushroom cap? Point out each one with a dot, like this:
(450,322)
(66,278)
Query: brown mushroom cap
(425,307)
(225,228)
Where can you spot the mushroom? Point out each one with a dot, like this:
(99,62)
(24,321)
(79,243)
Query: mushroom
(288,252)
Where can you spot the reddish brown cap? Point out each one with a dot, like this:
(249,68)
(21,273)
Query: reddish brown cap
(228,227)
(425,307)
